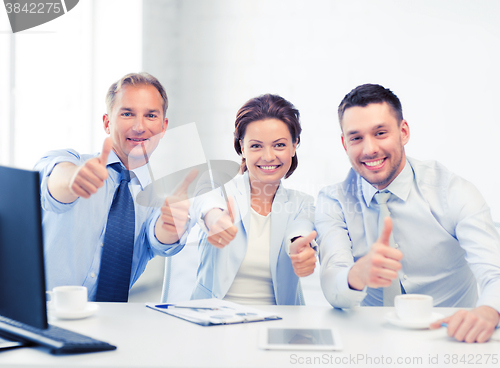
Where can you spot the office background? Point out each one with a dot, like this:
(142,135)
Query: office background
(440,57)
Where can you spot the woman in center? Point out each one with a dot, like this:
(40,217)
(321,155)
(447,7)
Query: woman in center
(254,248)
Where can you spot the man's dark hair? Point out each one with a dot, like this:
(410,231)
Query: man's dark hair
(367,94)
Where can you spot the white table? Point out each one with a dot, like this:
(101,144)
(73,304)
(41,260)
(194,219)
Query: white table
(147,338)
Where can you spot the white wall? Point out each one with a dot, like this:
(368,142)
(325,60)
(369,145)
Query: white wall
(60,72)
(5,88)
(440,57)
(50,87)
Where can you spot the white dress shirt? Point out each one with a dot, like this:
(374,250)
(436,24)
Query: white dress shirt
(441,224)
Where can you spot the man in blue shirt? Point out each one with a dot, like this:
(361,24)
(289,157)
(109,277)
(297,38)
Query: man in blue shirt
(443,239)
(77,190)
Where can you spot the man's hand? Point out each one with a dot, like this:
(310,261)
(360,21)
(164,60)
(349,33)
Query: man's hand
(221,225)
(174,213)
(379,266)
(303,256)
(67,181)
(476,325)
(91,176)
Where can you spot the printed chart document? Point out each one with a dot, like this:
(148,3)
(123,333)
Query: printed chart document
(210,312)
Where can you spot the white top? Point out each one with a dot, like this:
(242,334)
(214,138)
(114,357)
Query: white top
(253,283)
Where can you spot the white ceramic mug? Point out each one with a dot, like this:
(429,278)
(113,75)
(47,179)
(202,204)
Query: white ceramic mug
(413,307)
(69,298)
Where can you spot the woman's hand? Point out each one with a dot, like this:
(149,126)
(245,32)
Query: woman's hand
(174,217)
(303,256)
(220,224)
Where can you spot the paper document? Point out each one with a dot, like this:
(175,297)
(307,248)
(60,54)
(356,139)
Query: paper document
(8,344)
(209,312)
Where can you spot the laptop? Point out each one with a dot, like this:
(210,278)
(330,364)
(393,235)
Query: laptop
(23,310)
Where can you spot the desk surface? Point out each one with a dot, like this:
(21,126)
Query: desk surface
(147,338)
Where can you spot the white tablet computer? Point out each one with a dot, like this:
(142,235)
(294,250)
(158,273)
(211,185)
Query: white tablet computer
(299,339)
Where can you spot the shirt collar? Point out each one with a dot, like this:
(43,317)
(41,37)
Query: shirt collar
(141,172)
(400,186)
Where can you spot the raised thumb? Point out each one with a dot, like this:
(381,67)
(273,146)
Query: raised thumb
(106,149)
(386,232)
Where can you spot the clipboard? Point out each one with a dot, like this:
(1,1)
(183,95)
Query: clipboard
(213,312)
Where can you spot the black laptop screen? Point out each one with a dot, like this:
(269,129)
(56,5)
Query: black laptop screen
(22,276)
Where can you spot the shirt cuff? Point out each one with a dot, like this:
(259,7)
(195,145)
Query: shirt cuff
(201,220)
(165,250)
(356,296)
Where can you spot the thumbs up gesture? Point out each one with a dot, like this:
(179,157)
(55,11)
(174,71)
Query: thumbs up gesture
(302,255)
(175,213)
(68,181)
(90,176)
(379,266)
(221,225)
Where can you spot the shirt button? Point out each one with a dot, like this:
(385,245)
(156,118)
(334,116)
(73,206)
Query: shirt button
(396,246)
(405,277)
(102,245)
(92,274)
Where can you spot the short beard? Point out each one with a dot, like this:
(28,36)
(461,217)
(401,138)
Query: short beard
(389,178)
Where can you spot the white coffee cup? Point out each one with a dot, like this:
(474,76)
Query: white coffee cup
(69,298)
(413,307)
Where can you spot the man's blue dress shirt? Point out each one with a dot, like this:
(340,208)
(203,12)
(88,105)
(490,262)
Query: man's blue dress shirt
(442,226)
(74,232)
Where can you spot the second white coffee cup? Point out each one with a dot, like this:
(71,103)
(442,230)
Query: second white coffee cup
(414,307)
(69,298)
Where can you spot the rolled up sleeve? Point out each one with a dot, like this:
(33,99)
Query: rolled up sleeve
(45,166)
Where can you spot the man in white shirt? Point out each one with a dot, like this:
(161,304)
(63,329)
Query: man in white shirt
(439,239)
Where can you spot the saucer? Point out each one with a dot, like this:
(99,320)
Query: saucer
(87,312)
(393,318)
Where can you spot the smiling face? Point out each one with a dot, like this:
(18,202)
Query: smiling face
(135,123)
(375,143)
(268,150)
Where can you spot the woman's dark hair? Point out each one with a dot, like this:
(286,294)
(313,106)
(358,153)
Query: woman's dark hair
(267,107)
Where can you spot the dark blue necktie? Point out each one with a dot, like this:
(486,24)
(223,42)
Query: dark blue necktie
(116,259)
